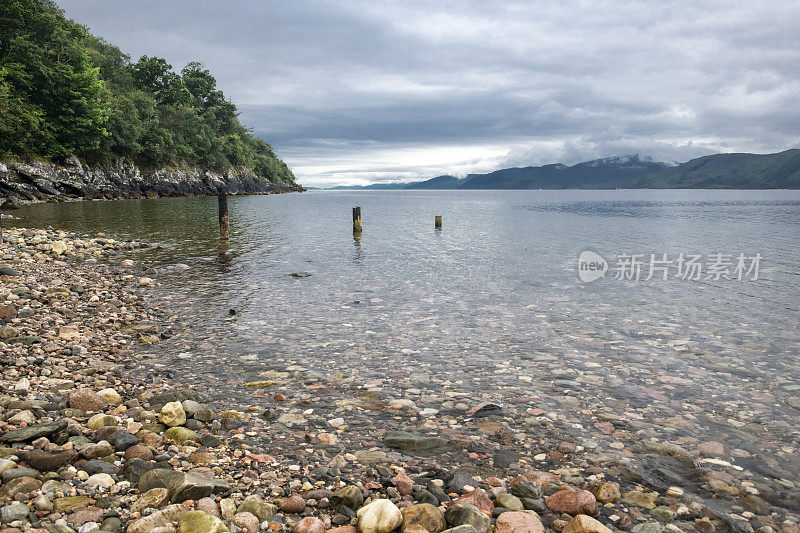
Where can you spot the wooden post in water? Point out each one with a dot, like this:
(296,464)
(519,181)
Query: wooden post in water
(356,220)
(437,222)
(224,227)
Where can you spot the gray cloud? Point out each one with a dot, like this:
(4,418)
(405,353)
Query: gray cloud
(364,91)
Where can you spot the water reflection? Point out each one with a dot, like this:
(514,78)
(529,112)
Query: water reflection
(224,257)
(358,257)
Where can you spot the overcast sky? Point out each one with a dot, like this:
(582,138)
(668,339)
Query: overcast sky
(358,92)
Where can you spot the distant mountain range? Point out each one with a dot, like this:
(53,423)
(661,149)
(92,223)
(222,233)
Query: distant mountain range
(721,171)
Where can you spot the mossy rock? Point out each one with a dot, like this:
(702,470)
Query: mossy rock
(200,522)
(179,435)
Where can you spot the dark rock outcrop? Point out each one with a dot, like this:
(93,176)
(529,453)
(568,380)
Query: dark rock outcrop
(40,181)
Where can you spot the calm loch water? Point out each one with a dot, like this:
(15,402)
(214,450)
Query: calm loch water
(491,308)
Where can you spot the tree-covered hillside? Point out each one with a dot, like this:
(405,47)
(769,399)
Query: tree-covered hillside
(64,91)
(730,171)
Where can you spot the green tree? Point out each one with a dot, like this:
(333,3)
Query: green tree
(154,74)
(64,91)
(46,67)
(19,122)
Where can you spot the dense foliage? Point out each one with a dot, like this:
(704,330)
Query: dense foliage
(64,91)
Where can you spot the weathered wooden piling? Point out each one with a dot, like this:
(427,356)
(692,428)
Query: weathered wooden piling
(437,222)
(356,220)
(224,226)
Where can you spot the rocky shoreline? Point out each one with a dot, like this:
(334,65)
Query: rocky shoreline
(92,439)
(39,181)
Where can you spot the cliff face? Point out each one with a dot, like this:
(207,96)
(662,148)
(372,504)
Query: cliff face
(45,182)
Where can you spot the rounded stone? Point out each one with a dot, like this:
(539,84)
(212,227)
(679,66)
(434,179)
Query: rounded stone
(479,499)
(254,505)
(518,522)
(148,438)
(100,481)
(159,519)
(464,514)
(8,312)
(424,515)
(309,525)
(159,477)
(573,502)
(208,505)
(349,496)
(153,498)
(85,516)
(380,516)
(138,451)
(509,501)
(190,407)
(200,522)
(293,504)
(247,522)
(19,472)
(111,524)
(43,503)
(204,414)
(14,511)
(646,500)
(24,485)
(95,450)
(100,467)
(607,492)
(50,461)
(202,458)
(179,435)
(124,440)
(110,396)
(86,400)
(526,489)
(100,421)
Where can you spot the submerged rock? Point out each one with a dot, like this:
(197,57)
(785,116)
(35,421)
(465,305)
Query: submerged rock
(411,442)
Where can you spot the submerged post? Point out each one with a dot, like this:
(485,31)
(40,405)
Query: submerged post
(437,222)
(356,220)
(224,227)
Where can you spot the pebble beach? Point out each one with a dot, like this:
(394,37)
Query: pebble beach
(104,427)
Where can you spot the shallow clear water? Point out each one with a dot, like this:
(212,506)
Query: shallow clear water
(492,307)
